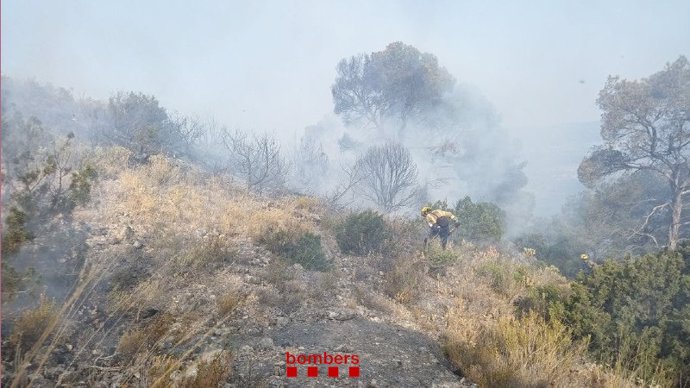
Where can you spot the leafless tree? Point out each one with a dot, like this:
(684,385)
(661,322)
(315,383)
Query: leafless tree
(256,159)
(387,175)
(348,180)
(310,165)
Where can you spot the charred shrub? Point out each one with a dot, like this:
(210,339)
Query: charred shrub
(363,233)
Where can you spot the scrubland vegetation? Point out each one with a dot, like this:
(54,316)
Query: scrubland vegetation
(129,258)
(504,318)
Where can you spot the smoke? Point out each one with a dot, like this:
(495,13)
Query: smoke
(459,148)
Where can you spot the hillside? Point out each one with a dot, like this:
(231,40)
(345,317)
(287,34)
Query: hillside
(180,284)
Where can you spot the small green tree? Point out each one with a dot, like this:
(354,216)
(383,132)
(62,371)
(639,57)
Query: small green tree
(44,180)
(362,233)
(479,222)
(15,232)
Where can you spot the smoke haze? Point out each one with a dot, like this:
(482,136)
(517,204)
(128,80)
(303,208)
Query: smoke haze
(536,67)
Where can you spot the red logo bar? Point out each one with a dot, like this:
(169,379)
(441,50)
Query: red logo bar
(313,371)
(291,371)
(313,362)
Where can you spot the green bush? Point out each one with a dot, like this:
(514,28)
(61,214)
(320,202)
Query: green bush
(304,249)
(11,281)
(439,258)
(363,233)
(560,250)
(548,301)
(479,222)
(637,312)
(15,233)
(80,187)
(501,276)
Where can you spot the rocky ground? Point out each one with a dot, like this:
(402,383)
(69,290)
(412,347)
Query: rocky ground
(285,309)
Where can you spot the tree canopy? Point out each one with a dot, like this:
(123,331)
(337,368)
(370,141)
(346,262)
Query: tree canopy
(399,83)
(645,126)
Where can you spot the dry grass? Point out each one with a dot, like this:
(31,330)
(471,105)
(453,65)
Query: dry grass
(194,218)
(109,161)
(277,272)
(403,281)
(131,343)
(519,353)
(493,347)
(197,223)
(228,303)
(31,324)
(160,368)
(210,373)
(142,339)
(209,251)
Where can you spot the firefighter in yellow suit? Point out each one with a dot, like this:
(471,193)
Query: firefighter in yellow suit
(439,222)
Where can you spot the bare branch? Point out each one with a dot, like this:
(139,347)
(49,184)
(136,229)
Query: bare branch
(639,230)
(257,160)
(388,176)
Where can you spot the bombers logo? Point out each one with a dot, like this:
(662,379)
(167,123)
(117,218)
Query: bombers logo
(314,361)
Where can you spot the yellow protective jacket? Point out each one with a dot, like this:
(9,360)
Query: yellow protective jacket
(440,217)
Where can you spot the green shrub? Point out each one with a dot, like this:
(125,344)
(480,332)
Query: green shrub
(636,312)
(363,233)
(547,301)
(560,250)
(500,276)
(11,281)
(439,258)
(15,232)
(80,187)
(479,222)
(304,249)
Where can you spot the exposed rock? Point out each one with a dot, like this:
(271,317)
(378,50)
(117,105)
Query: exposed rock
(266,343)
(125,233)
(282,321)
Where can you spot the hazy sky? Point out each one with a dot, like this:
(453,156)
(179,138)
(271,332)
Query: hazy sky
(269,65)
